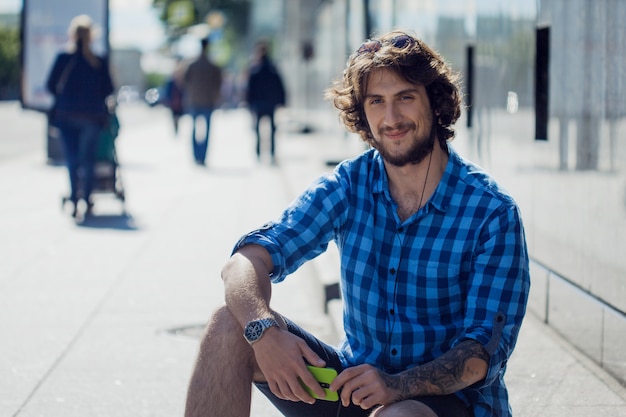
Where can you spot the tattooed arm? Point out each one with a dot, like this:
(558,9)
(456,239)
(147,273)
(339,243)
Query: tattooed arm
(366,386)
(458,368)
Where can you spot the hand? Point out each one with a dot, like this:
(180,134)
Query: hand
(364,386)
(281,357)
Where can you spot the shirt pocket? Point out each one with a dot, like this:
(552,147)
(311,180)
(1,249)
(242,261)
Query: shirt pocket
(434,292)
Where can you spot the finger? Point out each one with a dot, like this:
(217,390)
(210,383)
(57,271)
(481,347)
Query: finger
(348,389)
(302,394)
(312,357)
(363,397)
(346,396)
(338,385)
(343,377)
(310,381)
(370,402)
(287,393)
(275,388)
(292,388)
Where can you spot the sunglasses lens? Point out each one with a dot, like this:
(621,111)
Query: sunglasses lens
(399,42)
(402,41)
(369,46)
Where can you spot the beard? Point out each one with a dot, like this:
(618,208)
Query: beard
(420,148)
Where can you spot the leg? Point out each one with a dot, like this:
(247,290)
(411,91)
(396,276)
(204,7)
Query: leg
(89,138)
(404,409)
(69,137)
(272,134)
(203,145)
(431,406)
(221,384)
(258,134)
(175,120)
(194,123)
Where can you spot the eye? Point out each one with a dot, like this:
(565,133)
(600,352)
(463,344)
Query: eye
(406,97)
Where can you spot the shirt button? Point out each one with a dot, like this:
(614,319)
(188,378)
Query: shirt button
(392,271)
(394,352)
(392,311)
(400,229)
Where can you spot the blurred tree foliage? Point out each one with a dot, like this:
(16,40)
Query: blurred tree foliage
(235,11)
(9,61)
(154,79)
(232,17)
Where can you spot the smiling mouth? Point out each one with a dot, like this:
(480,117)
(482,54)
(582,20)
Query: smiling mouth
(395,134)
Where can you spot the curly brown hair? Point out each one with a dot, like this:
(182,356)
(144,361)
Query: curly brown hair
(414,61)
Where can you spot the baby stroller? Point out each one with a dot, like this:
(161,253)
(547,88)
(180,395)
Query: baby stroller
(107,178)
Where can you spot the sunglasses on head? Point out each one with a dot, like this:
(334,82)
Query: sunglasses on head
(400,42)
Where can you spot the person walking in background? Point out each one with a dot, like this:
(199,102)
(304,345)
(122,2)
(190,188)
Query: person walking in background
(433,260)
(174,94)
(80,83)
(265,92)
(202,86)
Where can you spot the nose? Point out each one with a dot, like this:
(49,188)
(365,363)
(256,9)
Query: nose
(392,115)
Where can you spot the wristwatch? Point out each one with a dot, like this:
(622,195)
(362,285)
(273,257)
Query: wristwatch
(255,329)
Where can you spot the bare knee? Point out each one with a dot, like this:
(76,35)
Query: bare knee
(223,342)
(408,408)
(223,321)
(223,339)
(222,328)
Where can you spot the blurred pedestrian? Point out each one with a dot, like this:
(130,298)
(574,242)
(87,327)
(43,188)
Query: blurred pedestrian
(80,82)
(174,92)
(264,93)
(202,85)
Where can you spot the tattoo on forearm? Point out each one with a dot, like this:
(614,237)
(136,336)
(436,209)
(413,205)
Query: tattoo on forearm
(444,375)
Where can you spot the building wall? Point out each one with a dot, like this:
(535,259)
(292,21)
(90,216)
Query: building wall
(126,68)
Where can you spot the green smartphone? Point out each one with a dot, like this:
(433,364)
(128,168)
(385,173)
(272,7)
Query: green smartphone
(324,376)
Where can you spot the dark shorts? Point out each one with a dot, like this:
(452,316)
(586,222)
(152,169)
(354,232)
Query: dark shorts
(443,406)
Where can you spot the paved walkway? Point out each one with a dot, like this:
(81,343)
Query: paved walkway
(102,318)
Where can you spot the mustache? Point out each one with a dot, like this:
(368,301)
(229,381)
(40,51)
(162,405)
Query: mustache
(399,126)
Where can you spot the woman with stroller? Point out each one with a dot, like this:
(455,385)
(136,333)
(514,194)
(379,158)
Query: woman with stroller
(80,82)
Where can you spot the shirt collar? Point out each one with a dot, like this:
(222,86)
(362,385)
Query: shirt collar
(440,199)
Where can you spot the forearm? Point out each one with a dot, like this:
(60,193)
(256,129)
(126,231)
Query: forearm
(458,368)
(247,285)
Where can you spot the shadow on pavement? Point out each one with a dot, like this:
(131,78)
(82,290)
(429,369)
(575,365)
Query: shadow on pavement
(124,222)
(194,331)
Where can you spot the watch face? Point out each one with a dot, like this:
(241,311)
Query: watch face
(253,331)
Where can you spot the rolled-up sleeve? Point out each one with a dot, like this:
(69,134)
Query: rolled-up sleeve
(304,229)
(498,288)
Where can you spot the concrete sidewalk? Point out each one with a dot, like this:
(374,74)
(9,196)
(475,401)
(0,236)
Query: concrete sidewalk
(102,318)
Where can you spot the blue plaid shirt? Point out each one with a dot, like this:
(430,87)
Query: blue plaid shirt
(455,270)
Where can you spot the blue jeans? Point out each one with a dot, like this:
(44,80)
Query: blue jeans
(80,143)
(200,137)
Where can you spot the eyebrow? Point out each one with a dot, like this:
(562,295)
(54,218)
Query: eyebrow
(399,93)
